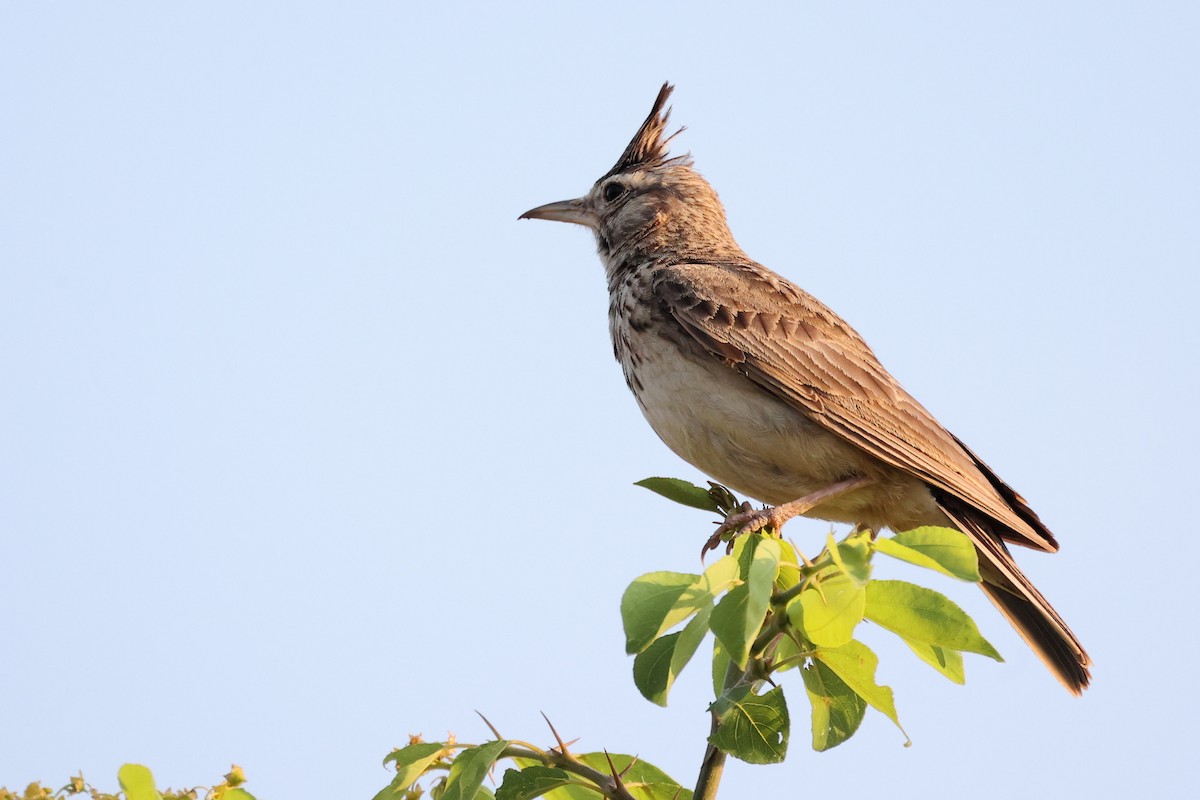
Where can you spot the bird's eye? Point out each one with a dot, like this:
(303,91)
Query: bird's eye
(612,191)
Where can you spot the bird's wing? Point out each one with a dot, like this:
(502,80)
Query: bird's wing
(794,347)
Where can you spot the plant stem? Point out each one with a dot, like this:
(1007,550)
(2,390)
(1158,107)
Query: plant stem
(710,773)
(713,765)
(611,786)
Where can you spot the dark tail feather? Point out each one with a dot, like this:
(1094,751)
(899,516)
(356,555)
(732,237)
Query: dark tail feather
(1023,605)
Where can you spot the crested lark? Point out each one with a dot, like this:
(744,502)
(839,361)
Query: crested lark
(758,384)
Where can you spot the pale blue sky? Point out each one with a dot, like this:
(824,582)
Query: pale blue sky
(290,467)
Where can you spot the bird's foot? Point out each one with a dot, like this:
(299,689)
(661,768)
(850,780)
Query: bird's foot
(746,519)
(749,520)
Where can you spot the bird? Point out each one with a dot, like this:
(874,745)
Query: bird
(759,385)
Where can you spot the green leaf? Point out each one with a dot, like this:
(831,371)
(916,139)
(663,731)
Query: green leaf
(137,782)
(392,790)
(757,555)
(787,649)
(655,603)
(681,492)
(413,753)
(739,616)
(577,789)
(743,552)
(531,782)
(573,791)
(469,769)
(729,624)
(411,763)
(720,666)
(828,612)
(689,641)
(789,567)
(752,727)
(764,565)
(852,556)
(652,669)
(656,667)
(719,576)
(643,780)
(855,664)
(923,615)
(943,549)
(837,710)
(948,662)
(237,794)
(647,604)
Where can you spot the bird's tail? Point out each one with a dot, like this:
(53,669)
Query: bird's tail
(1022,604)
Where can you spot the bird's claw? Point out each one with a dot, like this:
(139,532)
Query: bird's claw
(746,519)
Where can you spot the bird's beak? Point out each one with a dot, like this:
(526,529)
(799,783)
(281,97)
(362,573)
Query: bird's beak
(575,211)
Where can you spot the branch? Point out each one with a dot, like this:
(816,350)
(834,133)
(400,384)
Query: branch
(610,786)
(713,765)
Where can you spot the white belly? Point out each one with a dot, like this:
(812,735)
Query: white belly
(727,426)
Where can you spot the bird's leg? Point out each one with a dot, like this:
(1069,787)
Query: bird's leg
(748,520)
(859,528)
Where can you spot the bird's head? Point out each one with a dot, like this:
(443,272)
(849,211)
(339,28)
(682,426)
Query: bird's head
(648,201)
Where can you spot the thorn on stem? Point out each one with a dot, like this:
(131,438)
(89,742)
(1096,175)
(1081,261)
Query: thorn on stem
(562,746)
(612,768)
(489,724)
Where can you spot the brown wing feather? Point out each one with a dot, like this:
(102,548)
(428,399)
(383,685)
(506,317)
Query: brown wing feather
(1020,602)
(807,356)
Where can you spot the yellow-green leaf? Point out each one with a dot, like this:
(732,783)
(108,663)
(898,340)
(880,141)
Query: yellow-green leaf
(137,783)
(837,710)
(827,613)
(948,662)
(852,555)
(739,615)
(648,607)
(942,549)
(411,763)
(469,769)
(855,664)
(923,615)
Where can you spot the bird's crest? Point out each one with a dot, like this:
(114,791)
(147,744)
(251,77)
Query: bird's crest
(648,148)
